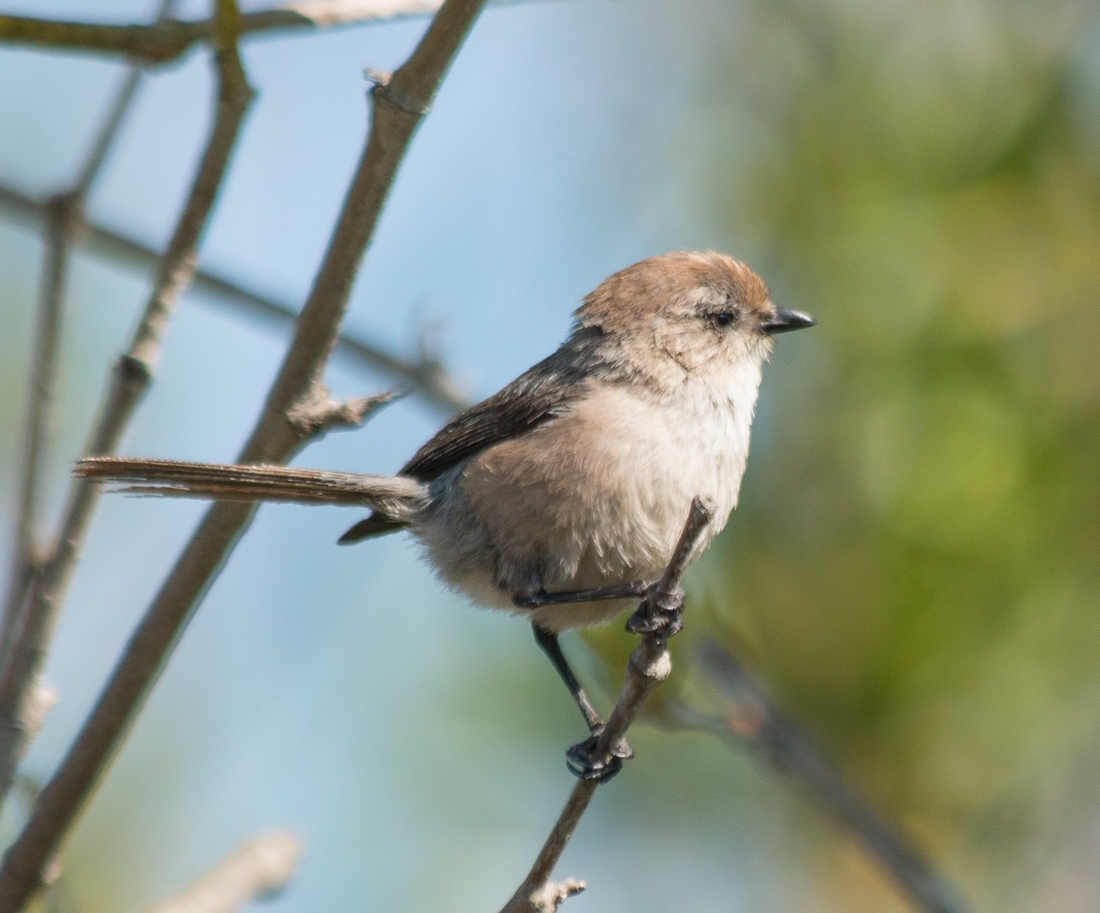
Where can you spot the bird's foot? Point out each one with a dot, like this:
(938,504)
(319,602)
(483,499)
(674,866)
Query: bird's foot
(584,763)
(658,614)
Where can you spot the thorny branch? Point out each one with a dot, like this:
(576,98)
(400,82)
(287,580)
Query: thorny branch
(398,106)
(648,666)
(755,723)
(170,39)
(426,374)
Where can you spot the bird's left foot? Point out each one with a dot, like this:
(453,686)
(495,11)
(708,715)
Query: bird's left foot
(658,614)
(584,763)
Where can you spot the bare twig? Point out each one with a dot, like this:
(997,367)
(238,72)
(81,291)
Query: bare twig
(399,104)
(754,722)
(253,871)
(168,40)
(116,114)
(130,379)
(26,556)
(426,374)
(648,666)
(63,219)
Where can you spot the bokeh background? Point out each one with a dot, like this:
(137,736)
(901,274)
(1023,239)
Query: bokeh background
(914,570)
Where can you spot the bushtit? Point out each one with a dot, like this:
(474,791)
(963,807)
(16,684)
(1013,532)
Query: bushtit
(562,496)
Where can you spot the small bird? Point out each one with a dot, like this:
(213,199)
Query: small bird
(562,497)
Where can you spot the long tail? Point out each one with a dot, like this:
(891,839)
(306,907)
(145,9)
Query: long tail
(397,498)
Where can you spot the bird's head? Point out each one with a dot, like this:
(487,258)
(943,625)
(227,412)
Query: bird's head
(682,316)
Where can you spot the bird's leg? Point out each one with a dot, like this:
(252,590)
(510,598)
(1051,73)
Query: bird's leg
(579,757)
(659,613)
(548,640)
(619,591)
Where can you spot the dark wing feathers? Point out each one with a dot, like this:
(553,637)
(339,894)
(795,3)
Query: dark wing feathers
(544,392)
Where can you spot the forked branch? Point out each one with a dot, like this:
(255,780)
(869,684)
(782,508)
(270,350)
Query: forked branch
(164,41)
(425,374)
(62,218)
(127,385)
(279,433)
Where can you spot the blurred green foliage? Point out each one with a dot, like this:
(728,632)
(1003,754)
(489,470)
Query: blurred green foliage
(914,567)
(916,560)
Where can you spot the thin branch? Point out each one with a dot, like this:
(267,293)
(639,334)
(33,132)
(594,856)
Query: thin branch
(116,114)
(62,218)
(398,108)
(648,666)
(755,723)
(168,40)
(132,375)
(55,895)
(26,557)
(256,870)
(426,374)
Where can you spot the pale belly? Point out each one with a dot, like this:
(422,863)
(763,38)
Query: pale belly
(596,498)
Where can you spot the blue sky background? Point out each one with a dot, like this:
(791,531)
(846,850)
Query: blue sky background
(415,744)
(912,569)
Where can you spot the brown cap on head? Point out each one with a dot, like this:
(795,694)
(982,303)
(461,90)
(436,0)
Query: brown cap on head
(659,283)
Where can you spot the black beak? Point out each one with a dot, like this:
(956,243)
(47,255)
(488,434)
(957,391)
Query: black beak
(784,321)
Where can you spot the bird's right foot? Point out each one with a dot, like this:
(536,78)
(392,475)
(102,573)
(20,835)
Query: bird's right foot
(659,613)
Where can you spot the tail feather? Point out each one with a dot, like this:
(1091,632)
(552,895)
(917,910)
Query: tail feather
(396,498)
(375,525)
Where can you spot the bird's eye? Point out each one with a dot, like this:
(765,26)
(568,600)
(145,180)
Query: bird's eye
(722,320)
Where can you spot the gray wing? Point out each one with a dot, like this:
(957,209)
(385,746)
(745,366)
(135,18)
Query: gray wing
(543,393)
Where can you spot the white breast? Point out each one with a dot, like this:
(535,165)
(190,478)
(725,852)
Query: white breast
(668,451)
